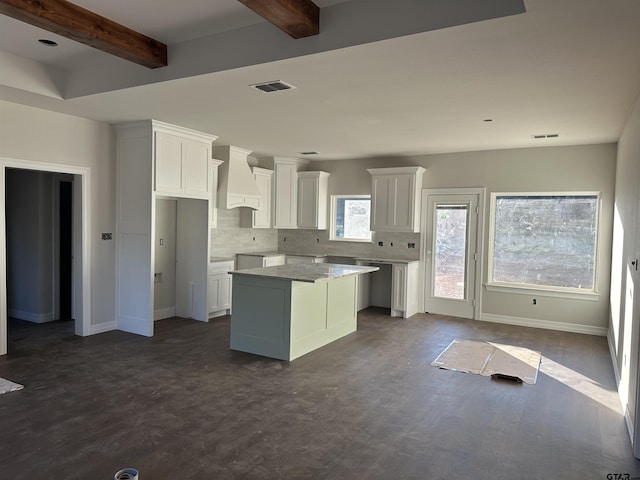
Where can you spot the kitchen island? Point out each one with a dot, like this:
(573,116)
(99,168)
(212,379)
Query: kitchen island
(286,311)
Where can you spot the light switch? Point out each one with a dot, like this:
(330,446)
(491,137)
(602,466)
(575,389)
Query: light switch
(161,241)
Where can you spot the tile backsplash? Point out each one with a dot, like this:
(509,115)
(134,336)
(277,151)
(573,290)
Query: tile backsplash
(229,238)
(395,246)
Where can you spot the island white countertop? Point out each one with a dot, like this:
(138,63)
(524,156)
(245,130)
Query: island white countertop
(306,272)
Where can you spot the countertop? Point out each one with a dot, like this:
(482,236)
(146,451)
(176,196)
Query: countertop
(315,255)
(384,260)
(311,272)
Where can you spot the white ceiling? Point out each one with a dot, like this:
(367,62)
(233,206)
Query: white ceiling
(570,67)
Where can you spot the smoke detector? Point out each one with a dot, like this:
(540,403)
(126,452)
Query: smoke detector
(272,86)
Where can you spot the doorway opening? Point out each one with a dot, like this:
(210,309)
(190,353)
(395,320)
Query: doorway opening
(44,248)
(451,247)
(65,251)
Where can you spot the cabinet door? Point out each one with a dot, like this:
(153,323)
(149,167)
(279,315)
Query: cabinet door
(195,166)
(399,287)
(262,217)
(168,163)
(224,291)
(380,202)
(392,198)
(307,202)
(213,293)
(286,186)
(402,202)
(273,260)
(219,292)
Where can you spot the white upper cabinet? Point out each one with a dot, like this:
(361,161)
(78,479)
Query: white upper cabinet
(312,200)
(213,187)
(155,159)
(181,161)
(395,199)
(195,165)
(168,163)
(261,218)
(285,191)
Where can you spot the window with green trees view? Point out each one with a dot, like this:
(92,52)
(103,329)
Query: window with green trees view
(350,218)
(544,240)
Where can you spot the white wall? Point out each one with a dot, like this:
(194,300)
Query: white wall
(164,291)
(37,135)
(579,168)
(624,327)
(29,217)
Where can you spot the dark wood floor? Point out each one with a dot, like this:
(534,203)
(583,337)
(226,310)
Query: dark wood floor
(369,406)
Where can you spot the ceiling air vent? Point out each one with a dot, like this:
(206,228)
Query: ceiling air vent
(309,153)
(273,86)
(546,135)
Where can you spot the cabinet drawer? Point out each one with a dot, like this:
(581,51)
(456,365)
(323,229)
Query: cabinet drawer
(274,260)
(220,267)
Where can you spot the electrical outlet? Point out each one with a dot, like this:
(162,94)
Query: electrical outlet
(391,244)
(380,244)
(535,302)
(161,241)
(107,236)
(411,245)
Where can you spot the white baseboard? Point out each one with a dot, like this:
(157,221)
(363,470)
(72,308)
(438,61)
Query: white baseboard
(614,361)
(103,327)
(616,372)
(219,313)
(30,316)
(163,313)
(547,324)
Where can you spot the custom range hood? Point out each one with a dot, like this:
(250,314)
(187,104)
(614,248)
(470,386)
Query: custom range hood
(236,186)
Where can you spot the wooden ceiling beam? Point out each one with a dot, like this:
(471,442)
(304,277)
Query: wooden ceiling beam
(82,25)
(298,18)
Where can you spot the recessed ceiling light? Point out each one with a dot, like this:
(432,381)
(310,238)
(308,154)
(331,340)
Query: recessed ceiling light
(272,86)
(48,43)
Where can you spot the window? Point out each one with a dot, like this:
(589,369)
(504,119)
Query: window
(350,217)
(545,241)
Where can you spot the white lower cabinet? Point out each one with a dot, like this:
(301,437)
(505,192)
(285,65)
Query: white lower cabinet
(219,288)
(247,260)
(395,286)
(404,289)
(273,261)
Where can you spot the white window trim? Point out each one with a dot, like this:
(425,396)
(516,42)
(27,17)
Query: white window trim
(332,229)
(549,291)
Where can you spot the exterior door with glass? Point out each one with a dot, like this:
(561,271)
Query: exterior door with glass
(451,254)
